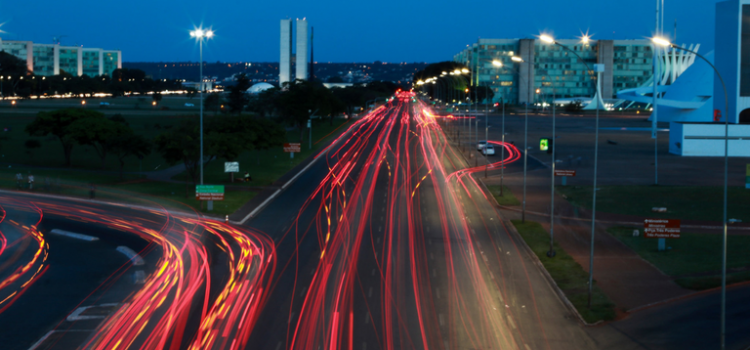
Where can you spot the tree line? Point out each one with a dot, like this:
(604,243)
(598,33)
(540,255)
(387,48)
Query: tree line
(225,137)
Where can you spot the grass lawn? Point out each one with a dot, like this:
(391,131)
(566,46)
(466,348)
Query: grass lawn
(507,199)
(703,203)
(266,166)
(567,273)
(694,259)
(109,187)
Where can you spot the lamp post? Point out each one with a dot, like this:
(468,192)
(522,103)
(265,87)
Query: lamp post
(666,43)
(599,69)
(200,34)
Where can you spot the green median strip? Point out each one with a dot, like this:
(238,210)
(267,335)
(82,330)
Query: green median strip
(506,199)
(567,274)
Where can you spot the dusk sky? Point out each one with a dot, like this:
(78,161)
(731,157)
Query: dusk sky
(345,31)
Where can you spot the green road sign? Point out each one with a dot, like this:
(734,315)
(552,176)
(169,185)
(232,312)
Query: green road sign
(209,192)
(543,144)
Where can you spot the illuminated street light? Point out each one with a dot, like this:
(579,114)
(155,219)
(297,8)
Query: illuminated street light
(516,59)
(464,70)
(661,41)
(585,39)
(200,34)
(547,39)
(497,63)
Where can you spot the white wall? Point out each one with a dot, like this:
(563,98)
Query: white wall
(707,139)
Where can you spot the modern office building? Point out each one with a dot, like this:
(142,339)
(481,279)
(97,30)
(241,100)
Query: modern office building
(52,59)
(285,60)
(298,59)
(556,71)
(302,51)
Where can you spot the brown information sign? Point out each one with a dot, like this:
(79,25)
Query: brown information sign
(661,228)
(292,147)
(567,173)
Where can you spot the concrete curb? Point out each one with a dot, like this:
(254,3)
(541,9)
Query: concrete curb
(268,200)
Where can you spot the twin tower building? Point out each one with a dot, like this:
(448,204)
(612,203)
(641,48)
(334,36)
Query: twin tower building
(297,59)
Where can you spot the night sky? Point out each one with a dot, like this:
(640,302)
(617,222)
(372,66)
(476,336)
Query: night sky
(345,31)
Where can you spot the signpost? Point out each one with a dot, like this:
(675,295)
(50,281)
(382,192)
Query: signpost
(209,193)
(291,148)
(543,144)
(565,174)
(231,168)
(661,229)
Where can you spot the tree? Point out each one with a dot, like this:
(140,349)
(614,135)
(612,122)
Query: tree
(302,97)
(31,145)
(128,144)
(212,101)
(335,79)
(238,99)
(181,145)
(191,92)
(97,132)
(58,123)
(574,106)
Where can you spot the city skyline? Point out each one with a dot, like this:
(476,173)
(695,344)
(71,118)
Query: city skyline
(250,33)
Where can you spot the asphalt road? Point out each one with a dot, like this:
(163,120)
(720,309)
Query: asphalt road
(417,257)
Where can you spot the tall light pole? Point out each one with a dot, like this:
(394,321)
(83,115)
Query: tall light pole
(664,42)
(200,34)
(599,68)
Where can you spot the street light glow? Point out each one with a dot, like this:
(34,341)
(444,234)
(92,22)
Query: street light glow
(465,70)
(547,39)
(585,39)
(516,59)
(497,63)
(660,41)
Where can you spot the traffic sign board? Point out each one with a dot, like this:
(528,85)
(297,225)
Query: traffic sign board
(661,228)
(292,147)
(543,144)
(231,167)
(569,173)
(209,192)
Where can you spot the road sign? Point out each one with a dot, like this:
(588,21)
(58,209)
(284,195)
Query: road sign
(292,147)
(661,228)
(209,192)
(231,167)
(543,144)
(747,177)
(570,173)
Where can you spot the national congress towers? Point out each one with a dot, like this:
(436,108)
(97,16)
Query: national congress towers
(298,59)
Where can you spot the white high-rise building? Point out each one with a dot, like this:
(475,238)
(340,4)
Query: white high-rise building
(285,62)
(302,50)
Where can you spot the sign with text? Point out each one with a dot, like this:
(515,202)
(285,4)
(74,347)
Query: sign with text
(568,173)
(209,192)
(292,147)
(231,167)
(661,228)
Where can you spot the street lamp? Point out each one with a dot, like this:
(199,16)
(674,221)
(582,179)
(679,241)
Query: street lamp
(666,43)
(200,34)
(497,65)
(548,39)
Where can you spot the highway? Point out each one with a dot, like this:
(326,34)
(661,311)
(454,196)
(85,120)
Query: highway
(389,243)
(184,281)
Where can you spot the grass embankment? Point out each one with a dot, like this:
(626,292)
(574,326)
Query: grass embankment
(694,259)
(567,273)
(703,203)
(267,166)
(506,199)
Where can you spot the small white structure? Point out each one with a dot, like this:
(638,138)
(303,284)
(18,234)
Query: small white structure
(259,87)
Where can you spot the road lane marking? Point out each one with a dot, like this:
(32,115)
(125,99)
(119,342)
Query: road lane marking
(434,273)
(432,257)
(437,291)
(510,320)
(442,321)
(289,321)
(367,318)
(377,240)
(369,292)
(74,235)
(131,254)
(373,272)
(278,346)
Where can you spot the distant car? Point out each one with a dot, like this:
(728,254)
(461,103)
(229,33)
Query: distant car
(189,105)
(104,103)
(488,150)
(481,145)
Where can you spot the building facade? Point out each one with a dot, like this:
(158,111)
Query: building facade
(287,59)
(556,71)
(53,59)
